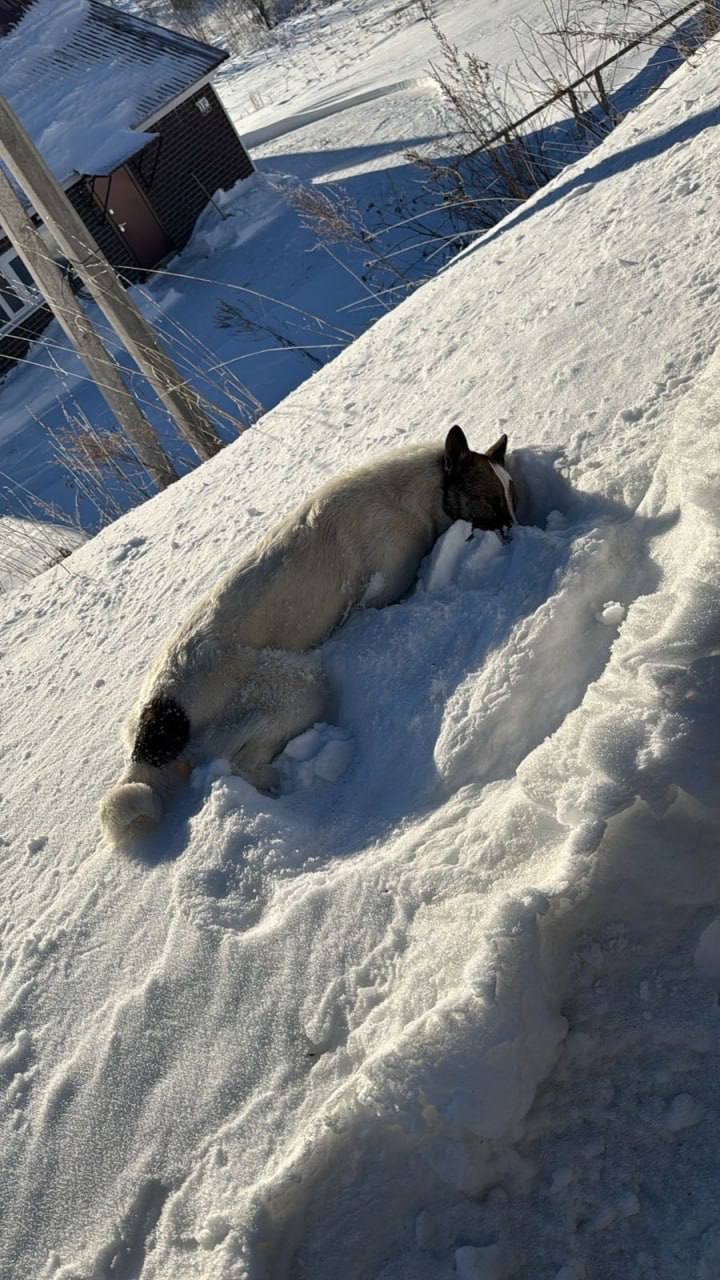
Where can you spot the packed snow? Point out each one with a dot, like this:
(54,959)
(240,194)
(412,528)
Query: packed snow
(447,1006)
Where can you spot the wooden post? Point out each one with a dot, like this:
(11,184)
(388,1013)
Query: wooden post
(605,101)
(710,18)
(102,368)
(78,246)
(576,110)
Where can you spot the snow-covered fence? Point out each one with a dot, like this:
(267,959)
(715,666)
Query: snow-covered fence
(593,76)
(503,158)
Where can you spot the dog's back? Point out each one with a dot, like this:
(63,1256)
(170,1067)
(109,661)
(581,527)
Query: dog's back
(295,587)
(237,677)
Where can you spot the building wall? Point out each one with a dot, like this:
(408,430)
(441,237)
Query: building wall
(100,226)
(15,346)
(199,154)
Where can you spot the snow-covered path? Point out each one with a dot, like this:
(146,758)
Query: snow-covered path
(303,1037)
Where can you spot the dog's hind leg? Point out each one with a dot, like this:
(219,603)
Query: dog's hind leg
(287,693)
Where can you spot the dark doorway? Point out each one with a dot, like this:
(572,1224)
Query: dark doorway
(133,217)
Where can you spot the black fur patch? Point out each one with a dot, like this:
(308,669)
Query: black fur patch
(450,497)
(163,731)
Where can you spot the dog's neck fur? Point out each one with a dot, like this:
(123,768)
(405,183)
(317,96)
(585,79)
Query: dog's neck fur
(447,505)
(421,485)
(450,497)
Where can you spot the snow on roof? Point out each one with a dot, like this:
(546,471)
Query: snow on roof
(83,77)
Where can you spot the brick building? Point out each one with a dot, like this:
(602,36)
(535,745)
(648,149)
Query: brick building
(124,113)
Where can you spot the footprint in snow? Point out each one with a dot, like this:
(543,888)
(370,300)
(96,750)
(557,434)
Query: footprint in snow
(245,842)
(122,552)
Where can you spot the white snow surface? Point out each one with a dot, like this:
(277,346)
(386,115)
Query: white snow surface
(349,88)
(447,1006)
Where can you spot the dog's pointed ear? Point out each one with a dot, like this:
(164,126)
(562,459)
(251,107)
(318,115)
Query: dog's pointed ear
(456,449)
(497,452)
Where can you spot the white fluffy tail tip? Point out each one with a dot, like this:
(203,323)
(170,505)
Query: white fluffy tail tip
(128,810)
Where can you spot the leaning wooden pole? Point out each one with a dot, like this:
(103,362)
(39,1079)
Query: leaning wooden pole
(77,244)
(103,370)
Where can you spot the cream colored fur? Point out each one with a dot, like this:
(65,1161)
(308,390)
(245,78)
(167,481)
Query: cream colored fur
(241,666)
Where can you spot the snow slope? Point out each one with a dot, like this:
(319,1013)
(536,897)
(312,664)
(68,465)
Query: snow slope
(350,88)
(230,261)
(340,93)
(447,1007)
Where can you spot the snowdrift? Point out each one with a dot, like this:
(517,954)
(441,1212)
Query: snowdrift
(448,1005)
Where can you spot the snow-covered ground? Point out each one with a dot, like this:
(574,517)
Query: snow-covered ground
(331,105)
(349,55)
(448,1006)
(29,547)
(346,90)
(240,367)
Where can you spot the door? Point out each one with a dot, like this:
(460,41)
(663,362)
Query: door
(133,217)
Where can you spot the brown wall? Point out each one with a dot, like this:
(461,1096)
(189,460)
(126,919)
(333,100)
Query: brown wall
(102,230)
(192,143)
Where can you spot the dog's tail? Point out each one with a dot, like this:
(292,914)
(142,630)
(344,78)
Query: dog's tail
(137,802)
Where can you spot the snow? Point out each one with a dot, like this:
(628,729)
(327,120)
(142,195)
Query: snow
(480,1264)
(707,955)
(369,69)
(612,614)
(231,260)
(362,68)
(59,45)
(683,1113)
(448,1005)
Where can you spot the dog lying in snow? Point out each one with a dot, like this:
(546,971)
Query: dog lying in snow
(240,678)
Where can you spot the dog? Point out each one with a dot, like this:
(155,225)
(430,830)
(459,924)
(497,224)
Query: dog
(242,676)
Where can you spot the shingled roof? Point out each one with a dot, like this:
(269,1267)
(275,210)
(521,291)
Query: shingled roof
(84,77)
(11,12)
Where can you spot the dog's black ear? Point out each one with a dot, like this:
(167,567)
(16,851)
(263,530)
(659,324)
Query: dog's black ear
(497,452)
(456,449)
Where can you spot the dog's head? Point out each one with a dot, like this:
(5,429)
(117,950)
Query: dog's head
(477,487)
